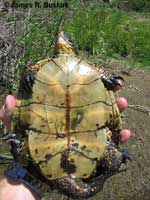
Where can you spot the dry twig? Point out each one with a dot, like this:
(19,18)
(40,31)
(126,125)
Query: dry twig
(13,27)
(140,108)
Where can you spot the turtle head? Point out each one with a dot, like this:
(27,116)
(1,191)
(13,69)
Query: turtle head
(64,45)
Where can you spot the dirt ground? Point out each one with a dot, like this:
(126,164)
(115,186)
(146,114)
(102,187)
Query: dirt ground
(134,184)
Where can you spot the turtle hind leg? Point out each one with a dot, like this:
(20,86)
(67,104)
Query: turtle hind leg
(108,166)
(113,159)
(79,189)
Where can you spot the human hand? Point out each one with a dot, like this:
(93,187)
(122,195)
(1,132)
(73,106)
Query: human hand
(7,110)
(13,190)
(122,104)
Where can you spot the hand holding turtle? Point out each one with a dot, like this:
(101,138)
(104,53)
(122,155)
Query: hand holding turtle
(7,110)
(12,190)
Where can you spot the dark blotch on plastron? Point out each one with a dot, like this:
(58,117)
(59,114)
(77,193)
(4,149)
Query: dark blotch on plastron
(84,174)
(49,175)
(48,156)
(111,116)
(77,119)
(83,147)
(66,164)
(36,151)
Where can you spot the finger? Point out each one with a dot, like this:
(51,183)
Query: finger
(10,104)
(122,103)
(7,109)
(125,135)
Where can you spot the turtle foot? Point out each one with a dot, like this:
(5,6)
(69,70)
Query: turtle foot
(111,82)
(125,155)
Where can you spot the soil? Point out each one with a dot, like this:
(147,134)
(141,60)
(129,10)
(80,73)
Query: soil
(133,184)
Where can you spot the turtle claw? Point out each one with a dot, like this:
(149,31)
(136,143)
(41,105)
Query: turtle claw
(111,82)
(125,156)
(15,142)
(28,81)
(118,77)
(11,138)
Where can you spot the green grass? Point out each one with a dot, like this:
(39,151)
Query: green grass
(111,32)
(98,30)
(40,39)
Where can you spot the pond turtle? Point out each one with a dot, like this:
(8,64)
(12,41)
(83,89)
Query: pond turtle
(68,123)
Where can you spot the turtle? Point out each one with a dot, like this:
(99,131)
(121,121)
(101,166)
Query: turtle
(67,122)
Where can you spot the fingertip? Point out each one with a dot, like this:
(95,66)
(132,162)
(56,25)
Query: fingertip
(125,135)
(122,103)
(10,103)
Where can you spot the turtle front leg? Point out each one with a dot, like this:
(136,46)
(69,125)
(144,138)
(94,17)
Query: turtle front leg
(78,188)
(110,81)
(28,79)
(30,73)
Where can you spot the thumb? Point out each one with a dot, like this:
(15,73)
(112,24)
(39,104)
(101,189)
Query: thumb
(7,109)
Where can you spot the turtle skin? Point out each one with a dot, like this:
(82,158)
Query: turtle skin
(68,122)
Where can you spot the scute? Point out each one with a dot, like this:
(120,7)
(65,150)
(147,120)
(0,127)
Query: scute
(85,150)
